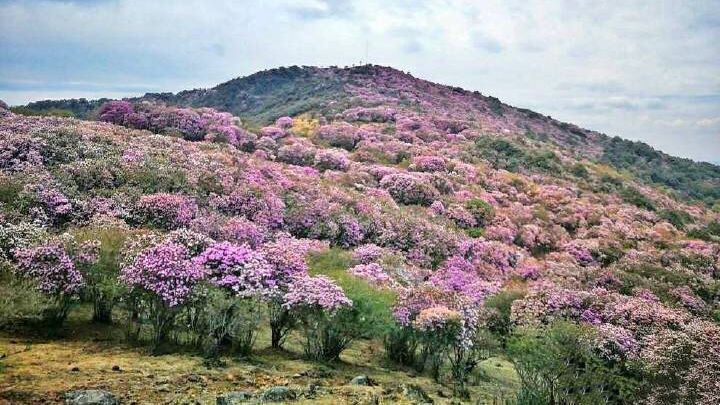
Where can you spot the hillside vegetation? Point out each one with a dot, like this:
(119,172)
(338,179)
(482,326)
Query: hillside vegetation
(301,225)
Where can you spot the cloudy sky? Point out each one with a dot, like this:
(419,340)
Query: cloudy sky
(645,70)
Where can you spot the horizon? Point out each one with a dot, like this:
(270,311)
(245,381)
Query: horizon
(609,69)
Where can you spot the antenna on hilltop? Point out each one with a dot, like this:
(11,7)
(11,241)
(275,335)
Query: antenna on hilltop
(367,48)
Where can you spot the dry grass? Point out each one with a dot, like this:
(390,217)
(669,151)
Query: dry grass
(40,370)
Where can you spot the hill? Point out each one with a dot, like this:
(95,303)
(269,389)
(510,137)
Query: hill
(262,97)
(413,231)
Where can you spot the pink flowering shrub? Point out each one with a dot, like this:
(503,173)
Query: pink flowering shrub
(20,152)
(243,231)
(163,210)
(284,123)
(167,272)
(115,112)
(241,270)
(163,277)
(341,135)
(372,114)
(368,253)
(684,364)
(407,189)
(296,154)
(328,159)
(315,293)
(286,257)
(54,274)
(434,319)
(272,132)
(329,323)
(257,205)
(428,164)
(372,273)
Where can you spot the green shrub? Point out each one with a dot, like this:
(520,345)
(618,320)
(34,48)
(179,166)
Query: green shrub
(480,210)
(632,196)
(499,307)
(215,319)
(101,278)
(20,301)
(709,232)
(555,365)
(676,217)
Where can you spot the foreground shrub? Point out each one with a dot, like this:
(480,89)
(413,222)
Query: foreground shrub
(217,319)
(557,365)
(100,250)
(163,277)
(20,300)
(684,365)
(326,315)
(54,274)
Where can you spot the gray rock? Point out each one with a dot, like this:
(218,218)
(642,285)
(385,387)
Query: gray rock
(234,398)
(416,394)
(362,380)
(90,397)
(278,393)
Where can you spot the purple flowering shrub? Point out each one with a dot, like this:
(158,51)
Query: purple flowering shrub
(165,276)
(328,159)
(54,274)
(192,124)
(407,189)
(239,269)
(164,210)
(326,316)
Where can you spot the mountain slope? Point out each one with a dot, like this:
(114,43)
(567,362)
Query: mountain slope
(261,98)
(412,222)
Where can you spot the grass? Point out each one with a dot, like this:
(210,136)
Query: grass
(82,356)
(41,368)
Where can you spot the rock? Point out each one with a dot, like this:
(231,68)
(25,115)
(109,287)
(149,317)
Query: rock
(75,369)
(90,397)
(362,380)
(116,368)
(416,394)
(277,394)
(234,398)
(163,388)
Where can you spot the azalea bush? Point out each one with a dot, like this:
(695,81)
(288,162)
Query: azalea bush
(164,276)
(326,315)
(54,274)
